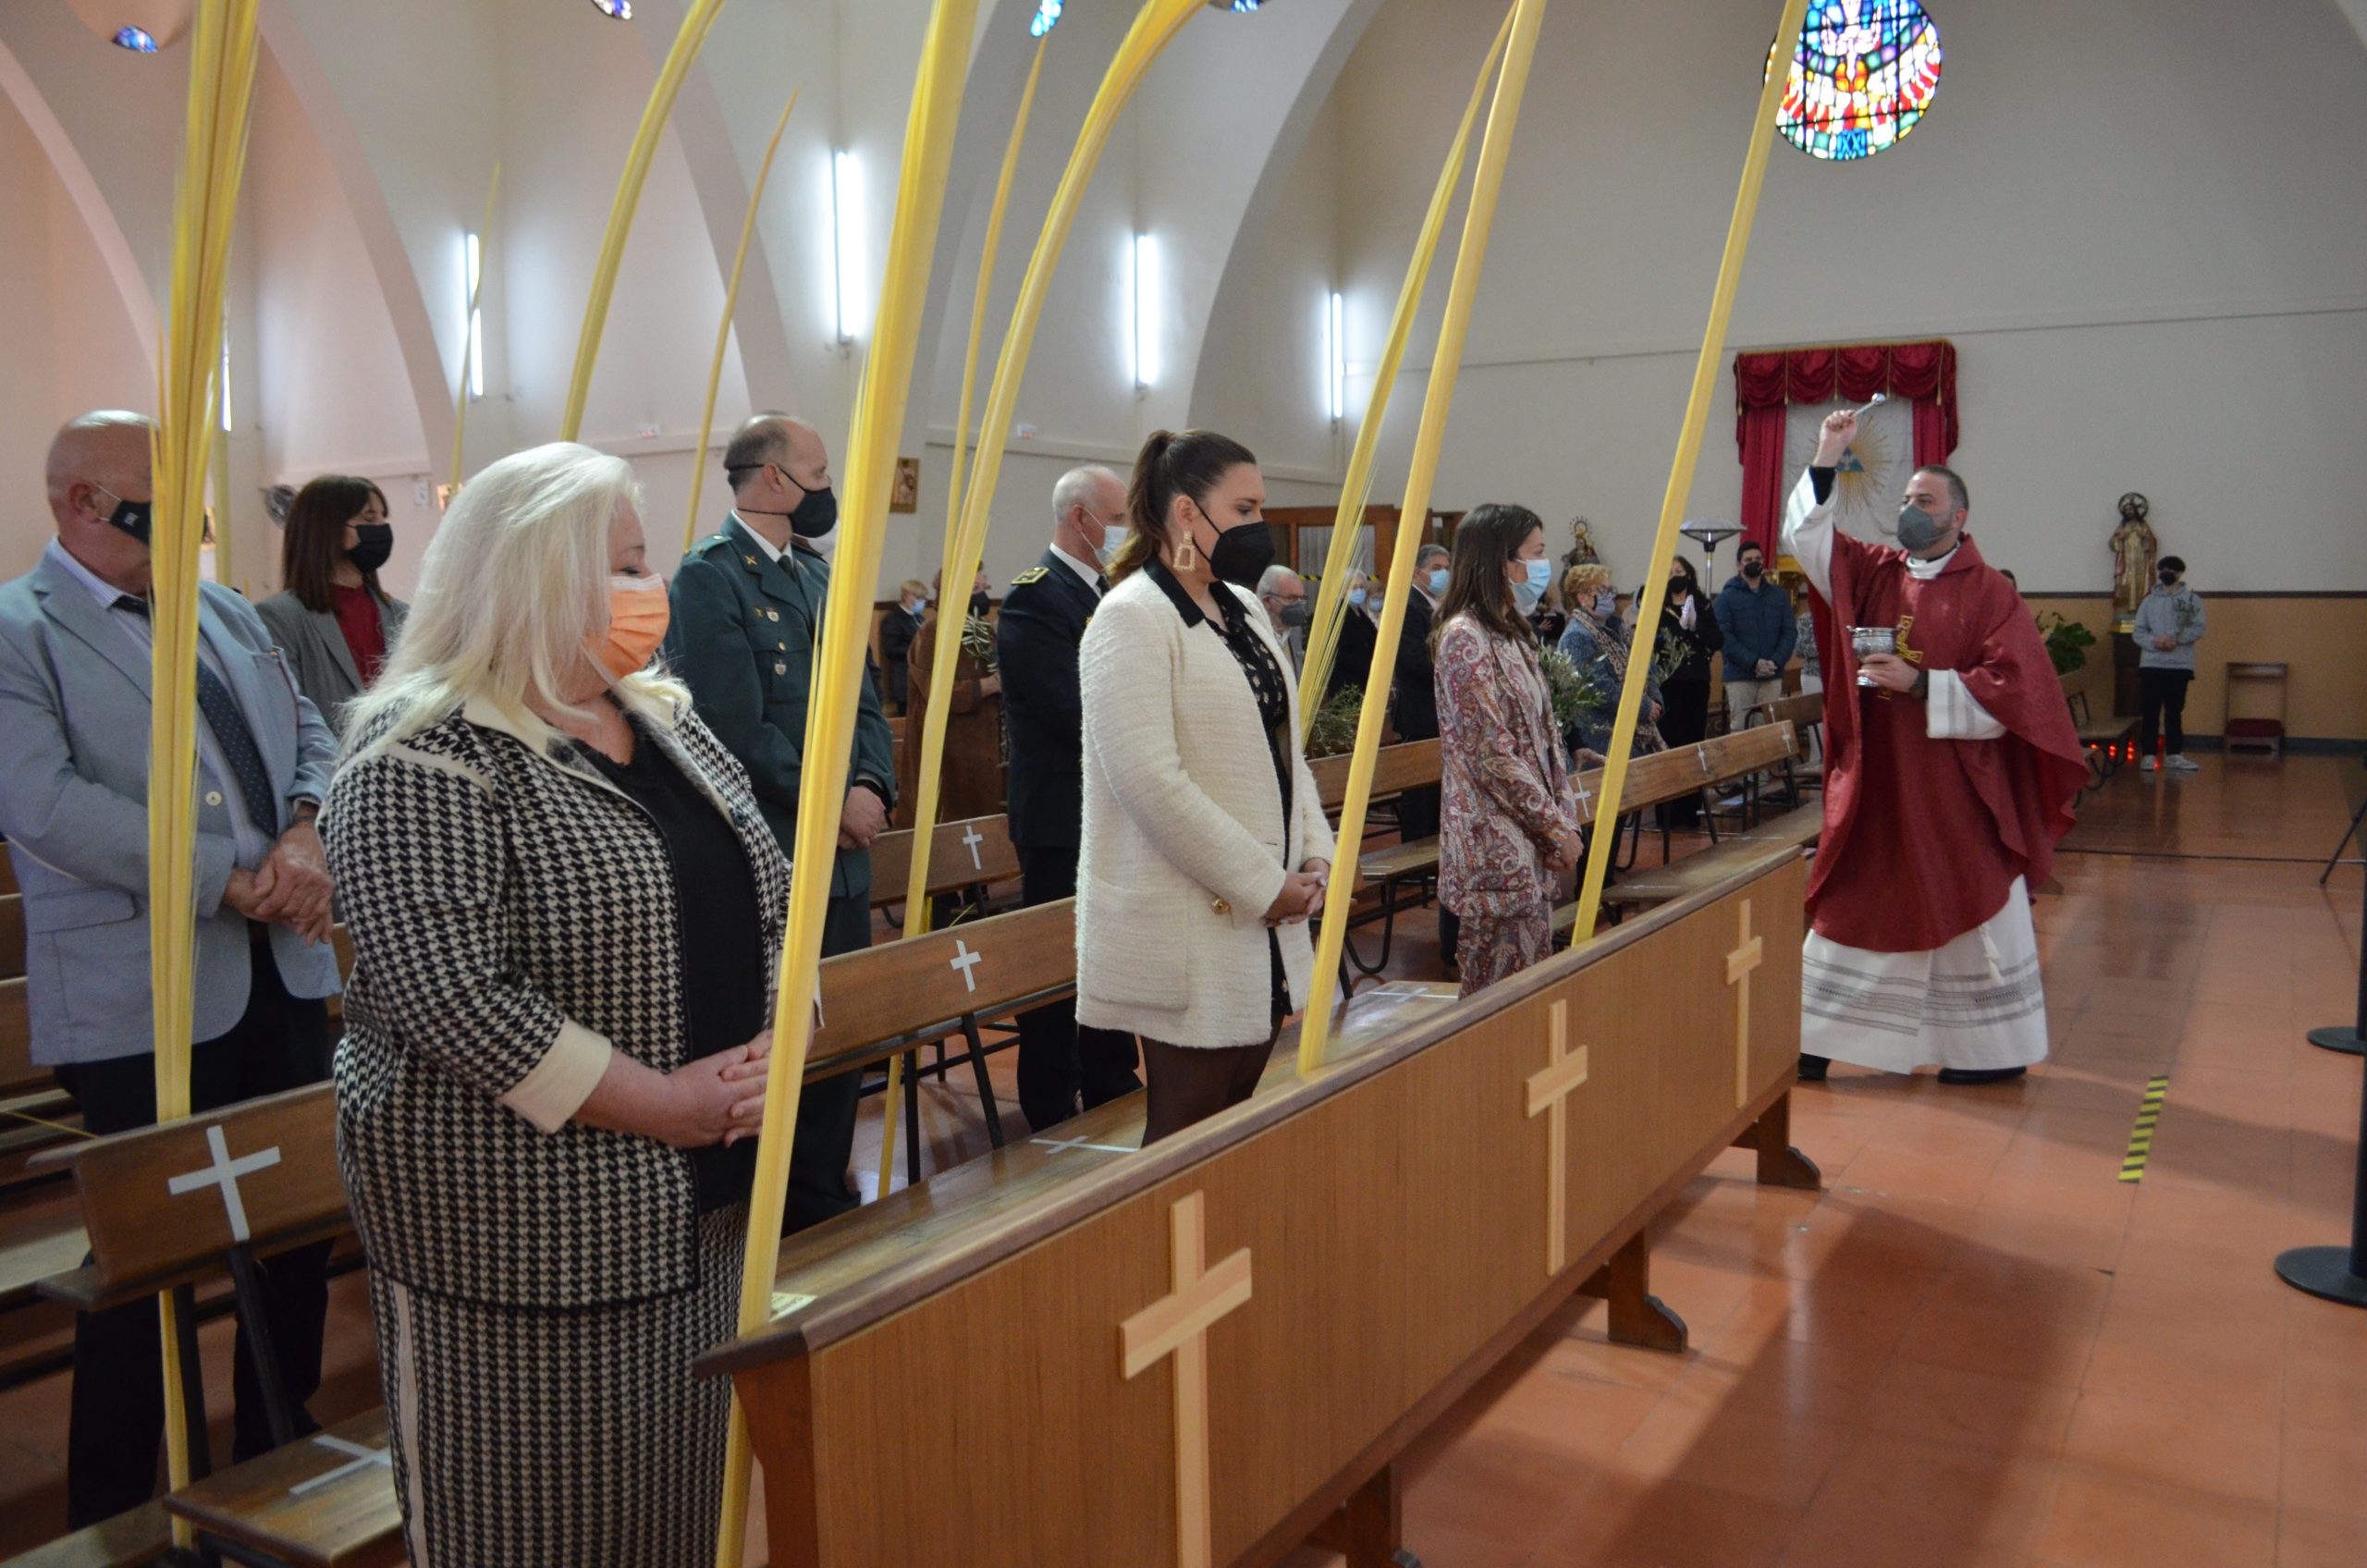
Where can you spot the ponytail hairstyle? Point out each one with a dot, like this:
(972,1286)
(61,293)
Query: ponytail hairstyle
(1191,462)
(1485,542)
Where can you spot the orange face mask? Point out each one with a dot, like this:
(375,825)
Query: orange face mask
(638,616)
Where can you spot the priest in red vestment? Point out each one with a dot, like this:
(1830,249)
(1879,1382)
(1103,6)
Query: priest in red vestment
(1950,773)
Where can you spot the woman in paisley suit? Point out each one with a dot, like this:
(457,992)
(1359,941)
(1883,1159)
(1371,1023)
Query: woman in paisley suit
(1508,826)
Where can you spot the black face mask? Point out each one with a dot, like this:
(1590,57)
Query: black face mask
(2169,578)
(1754,570)
(815,515)
(979,605)
(374,542)
(1241,554)
(135,517)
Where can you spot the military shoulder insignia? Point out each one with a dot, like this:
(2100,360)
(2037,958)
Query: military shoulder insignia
(1033,574)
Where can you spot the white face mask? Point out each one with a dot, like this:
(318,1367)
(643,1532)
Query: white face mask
(1113,539)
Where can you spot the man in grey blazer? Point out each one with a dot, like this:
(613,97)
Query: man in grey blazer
(75,652)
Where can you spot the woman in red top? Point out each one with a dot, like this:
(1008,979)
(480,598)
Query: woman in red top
(333,622)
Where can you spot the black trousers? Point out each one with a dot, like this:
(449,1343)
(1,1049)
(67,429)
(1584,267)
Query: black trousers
(1059,1064)
(1418,818)
(1685,718)
(2161,698)
(116,1425)
(818,1188)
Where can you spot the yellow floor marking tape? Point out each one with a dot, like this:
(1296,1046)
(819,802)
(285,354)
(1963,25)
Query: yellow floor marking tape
(2140,1137)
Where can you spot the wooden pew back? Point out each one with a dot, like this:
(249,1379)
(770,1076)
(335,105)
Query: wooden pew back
(876,1000)
(1802,710)
(961,855)
(167,1204)
(12,936)
(17,1073)
(1409,765)
(1681,770)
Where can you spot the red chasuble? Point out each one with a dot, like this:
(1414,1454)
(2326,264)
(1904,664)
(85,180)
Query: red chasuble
(1923,838)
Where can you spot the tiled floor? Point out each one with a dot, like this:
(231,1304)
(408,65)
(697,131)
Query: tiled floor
(1977,1348)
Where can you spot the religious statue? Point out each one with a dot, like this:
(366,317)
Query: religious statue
(2134,551)
(1581,544)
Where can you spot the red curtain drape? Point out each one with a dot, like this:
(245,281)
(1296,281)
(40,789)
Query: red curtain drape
(1766,385)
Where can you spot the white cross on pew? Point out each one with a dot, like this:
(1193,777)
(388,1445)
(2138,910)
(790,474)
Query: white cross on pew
(1177,1325)
(1548,1093)
(225,1173)
(973,838)
(965,960)
(1739,963)
(358,1458)
(1055,1145)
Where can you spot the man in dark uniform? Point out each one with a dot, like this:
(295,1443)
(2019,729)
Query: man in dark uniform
(747,608)
(1416,711)
(1035,644)
(897,629)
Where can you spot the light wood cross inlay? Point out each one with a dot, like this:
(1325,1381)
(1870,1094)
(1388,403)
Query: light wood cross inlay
(1739,963)
(1177,1325)
(1549,1094)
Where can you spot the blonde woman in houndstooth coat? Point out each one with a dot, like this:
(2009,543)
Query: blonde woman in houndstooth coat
(566,913)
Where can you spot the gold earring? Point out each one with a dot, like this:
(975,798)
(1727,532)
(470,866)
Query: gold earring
(1188,554)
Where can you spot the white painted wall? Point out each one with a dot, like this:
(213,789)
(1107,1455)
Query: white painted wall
(2096,240)
(2121,216)
(65,342)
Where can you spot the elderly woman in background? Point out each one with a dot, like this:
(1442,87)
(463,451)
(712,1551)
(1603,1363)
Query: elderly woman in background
(331,618)
(1508,826)
(1595,642)
(566,913)
(1206,849)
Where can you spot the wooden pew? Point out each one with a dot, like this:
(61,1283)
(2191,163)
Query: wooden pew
(2102,737)
(1390,870)
(1668,775)
(1804,711)
(962,854)
(1409,765)
(12,936)
(1738,854)
(890,1000)
(1331,1265)
(131,1539)
(17,1073)
(318,1502)
(168,1207)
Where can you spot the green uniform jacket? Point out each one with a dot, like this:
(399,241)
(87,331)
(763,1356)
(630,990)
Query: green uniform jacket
(744,636)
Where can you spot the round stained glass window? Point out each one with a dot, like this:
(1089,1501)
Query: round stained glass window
(1863,74)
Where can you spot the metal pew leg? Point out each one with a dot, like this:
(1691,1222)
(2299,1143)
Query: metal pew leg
(254,1322)
(1388,928)
(986,1086)
(1369,1529)
(1780,1164)
(912,1119)
(1638,1317)
(200,1460)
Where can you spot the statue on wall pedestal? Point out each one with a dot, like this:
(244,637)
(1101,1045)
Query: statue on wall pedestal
(2134,552)
(1581,544)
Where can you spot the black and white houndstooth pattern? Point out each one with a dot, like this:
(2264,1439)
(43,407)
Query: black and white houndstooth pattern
(492,895)
(561,1440)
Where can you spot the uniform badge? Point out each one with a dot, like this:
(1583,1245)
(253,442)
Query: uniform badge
(1033,574)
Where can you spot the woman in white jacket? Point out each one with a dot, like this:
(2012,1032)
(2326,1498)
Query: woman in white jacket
(1206,849)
